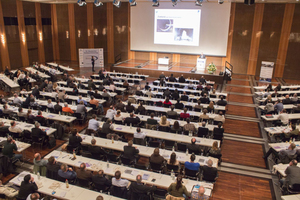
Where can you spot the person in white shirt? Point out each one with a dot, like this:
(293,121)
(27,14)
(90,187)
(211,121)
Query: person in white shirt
(139,134)
(50,104)
(22,76)
(220,117)
(17,100)
(14,128)
(33,196)
(110,112)
(117,181)
(283,117)
(112,87)
(118,116)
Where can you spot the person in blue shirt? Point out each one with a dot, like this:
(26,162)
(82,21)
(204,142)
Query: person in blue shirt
(278,107)
(66,173)
(93,123)
(192,165)
(80,99)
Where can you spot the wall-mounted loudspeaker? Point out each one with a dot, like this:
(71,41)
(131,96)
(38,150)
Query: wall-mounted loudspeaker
(249,2)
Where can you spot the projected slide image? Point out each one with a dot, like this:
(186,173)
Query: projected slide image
(165,25)
(183,34)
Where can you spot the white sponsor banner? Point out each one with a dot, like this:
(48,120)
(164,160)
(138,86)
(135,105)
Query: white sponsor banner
(85,57)
(266,70)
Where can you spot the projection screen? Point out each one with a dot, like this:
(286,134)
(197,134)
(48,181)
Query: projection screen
(185,28)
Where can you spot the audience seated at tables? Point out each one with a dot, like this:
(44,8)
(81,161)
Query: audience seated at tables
(222,102)
(175,95)
(40,118)
(278,87)
(294,99)
(202,80)
(83,174)
(181,79)
(8,149)
(28,186)
(204,99)
(192,165)
(93,123)
(14,128)
(149,93)
(139,134)
(6,110)
(36,92)
(151,122)
(3,129)
(287,100)
(105,94)
(193,147)
(164,122)
(39,133)
(107,127)
(140,190)
(130,151)
(126,84)
(43,85)
(176,128)
(278,107)
(132,119)
(177,189)
(167,93)
(50,104)
(91,84)
(173,160)
(172,78)
(2,99)
(66,172)
(81,109)
(156,157)
(112,86)
(95,102)
(38,161)
(292,175)
(129,108)
(75,91)
(17,101)
(189,127)
(96,95)
(179,105)
(52,165)
(147,87)
(220,117)
(269,108)
(284,118)
(282,154)
(215,149)
(21,113)
(274,94)
(285,136)
(62,96)
(141,109)
(210,108)
(120,105)
(167,102)
(118,181)
(95,150)
(67,109)
(184,114)
(75,139)
(218,131)
(100,180)
(57,107)
(118,116)
(80,99)
(199,195)
(209,173)
(110,112)
(33,103)
(202,130)
(184,97)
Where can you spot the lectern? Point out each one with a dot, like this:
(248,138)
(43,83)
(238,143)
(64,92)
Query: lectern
(201,62)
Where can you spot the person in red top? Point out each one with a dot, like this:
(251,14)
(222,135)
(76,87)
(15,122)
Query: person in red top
(67,109)
(184,114)
(167,102)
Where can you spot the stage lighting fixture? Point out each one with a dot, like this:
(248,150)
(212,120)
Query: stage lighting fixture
(220,1)
(155,3)
(174,2)
(132,2)
(98,3)
(81,2)
(117,3)
(198,2)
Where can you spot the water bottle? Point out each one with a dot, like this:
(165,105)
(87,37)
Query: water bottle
(92,135)
(293,140)
(202,153)
(190,133)
(172,175)
(173,149)
(112,140)
(107,164)
(38,175)
(187,152)
(74,154)
(67,183)
(130,125)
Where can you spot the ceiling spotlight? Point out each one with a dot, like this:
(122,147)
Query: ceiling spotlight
(98,3)
(174,2)
(81,2)
(198,2)
(220,1)
(155,3)
(117,3)
(132,2)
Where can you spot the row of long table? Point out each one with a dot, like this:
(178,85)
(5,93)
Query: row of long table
(33,71)
(61,66)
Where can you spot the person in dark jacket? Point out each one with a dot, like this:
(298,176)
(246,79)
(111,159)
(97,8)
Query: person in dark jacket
(28,186)
(129,108)
(35,92)
(3,129)
(130,151)
(75,139)
(133,120)
(99,180)
(138,190)
(57,107)
(39,133)
(52,165)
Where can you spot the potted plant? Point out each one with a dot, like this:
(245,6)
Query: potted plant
(211,68)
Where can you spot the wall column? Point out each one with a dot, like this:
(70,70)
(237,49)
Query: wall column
(110,33)
(3,43)
(255,40)
(176,58)
(153,56)
(72,32)
(54,29)
(39,32)
(284,39)
(22,34)
(90,24)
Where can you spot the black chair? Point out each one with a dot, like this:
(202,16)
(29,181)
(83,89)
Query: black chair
(70,149)
(118,122)
(159,104)
(175,168)
(126,161)
(22,119)
(181,147)
(139,141)
(79,118)
(100,187)
(160,194)
(218,156)
(293,189)
(140,166)
(156,167)
(37,140)
(169,144)
(83,183)
(27,136)
(192,174)
(202,132)
(118,191)
(154,144)
(164,128)
(51,174)
(113,158)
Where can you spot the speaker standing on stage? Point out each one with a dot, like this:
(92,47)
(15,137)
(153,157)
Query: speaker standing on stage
(93,64)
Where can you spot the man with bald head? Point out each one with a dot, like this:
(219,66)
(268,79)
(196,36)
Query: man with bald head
(200,195)
(33,196)
(39,161)
(210,173)
(99,180)
(138,189)
(193,147)
(287,100)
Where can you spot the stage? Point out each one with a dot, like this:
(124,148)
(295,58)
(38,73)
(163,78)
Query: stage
(151,68)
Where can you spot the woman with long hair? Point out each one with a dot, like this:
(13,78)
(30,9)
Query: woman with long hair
(215,149)
(176,127)
(164,121)
(173,160)
(177,189)
(210,107)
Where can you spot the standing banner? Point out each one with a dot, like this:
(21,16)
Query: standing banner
(266,71)
(85,56)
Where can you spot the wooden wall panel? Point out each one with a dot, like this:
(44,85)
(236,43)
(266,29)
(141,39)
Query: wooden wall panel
(100,29)
(162,55)
(120,30)
(22,34)
(271,31)
(39,30)
(54,29)
(82,26)
(176,58)
(3,46)
(90,25)
(243,23)
(189,59)
(47,32)
(63,27)
(110,33)
(291,70)
(256,34)
(139,55)
(73,34)
(153,56)
(284,40)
